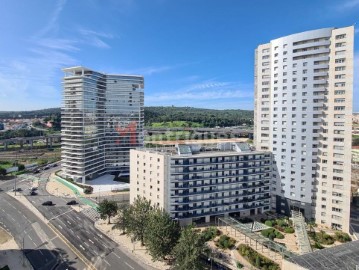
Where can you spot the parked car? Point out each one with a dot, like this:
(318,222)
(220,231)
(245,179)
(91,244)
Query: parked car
(32,193)
(47,203)
(55,165)
(37,171)
(73,202)
(17,189)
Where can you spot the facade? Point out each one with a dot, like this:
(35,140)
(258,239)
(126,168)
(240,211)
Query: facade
(303,108)
(102,119)
(199,182)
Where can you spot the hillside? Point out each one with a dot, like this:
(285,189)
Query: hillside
(205,117)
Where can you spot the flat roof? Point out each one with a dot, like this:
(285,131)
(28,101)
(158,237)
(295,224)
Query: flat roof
(345,256)
(77,68)
(207,141)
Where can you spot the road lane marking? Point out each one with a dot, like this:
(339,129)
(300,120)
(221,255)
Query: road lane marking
(129,265)
(86,244)
(30,237)
(91,241)
(107,262)
(68,222)
(78,237)
(100,235)
(82,247)
(117,255)
(60,226)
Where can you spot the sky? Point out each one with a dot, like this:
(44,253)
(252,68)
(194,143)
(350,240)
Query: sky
(197,53)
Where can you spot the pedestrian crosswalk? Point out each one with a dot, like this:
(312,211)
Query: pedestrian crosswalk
(91,213)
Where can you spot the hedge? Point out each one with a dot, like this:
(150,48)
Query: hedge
(256,259)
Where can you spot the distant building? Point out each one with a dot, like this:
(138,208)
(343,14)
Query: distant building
(102,119)
(199,182)
(2,126)
(303,114)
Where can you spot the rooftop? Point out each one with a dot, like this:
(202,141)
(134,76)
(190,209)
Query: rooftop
(345,256)
(205,149)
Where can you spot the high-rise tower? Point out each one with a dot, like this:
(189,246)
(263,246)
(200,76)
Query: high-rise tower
(303,108)
(102,119)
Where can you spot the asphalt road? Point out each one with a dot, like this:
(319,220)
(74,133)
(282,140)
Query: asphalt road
(78,229)
(42,247)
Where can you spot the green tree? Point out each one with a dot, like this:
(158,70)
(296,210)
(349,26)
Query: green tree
(139,212)
(123,219)
(107,209)
(188,250)
(161,234)
(21,167)
(2,171)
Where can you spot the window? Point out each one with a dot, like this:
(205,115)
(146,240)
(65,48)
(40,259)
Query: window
(339,92)
(340,60)
(340,36)
(340,44)
(339,68)
(340,76)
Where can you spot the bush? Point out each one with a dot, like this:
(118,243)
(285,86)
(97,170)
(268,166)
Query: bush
(321,237)
(278,235)
(342,237)
(318,246)
(256,259)
(88,190)
(272,233)
(289,230)
(225,242)
(239,265)
(21,167)
(269,223)
(210,233)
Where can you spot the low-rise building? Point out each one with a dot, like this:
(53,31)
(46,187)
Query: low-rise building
(199,182)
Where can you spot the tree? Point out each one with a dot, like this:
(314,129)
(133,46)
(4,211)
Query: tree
(21,167)
(107,209)
(123,219)
(2,171)
(161,234)
(189,249)
(139,212)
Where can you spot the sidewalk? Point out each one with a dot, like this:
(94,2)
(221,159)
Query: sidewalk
(10,253)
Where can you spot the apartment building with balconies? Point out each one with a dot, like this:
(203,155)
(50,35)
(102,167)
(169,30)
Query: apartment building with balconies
(101,120)
(199,182)
(303,108)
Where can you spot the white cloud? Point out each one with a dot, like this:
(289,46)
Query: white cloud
(206,94)
(349,4)
(95,38)
(60,4)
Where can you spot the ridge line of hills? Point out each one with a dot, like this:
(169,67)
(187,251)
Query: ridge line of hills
(158,114)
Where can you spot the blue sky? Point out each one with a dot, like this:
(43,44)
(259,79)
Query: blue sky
(196,53)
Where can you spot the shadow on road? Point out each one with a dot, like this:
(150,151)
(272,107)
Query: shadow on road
(43,259)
